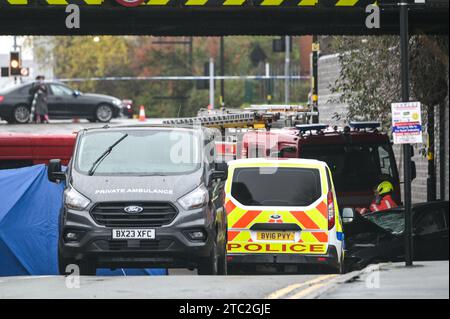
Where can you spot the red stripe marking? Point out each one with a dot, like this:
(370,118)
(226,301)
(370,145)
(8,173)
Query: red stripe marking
(229,206)
(246,219)
(232,234)
(323,209)
(305,220)
(322,237)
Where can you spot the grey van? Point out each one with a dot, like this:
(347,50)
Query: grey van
(143,196)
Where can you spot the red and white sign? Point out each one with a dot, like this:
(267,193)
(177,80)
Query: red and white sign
(130,3)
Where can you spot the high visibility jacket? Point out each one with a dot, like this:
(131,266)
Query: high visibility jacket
(386,203)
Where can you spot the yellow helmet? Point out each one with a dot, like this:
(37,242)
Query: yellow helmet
(385,187)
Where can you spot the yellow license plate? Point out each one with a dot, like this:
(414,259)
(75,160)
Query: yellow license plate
(276,236)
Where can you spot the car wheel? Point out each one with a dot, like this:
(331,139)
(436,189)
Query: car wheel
(21,114)
(210,265)
(104,113)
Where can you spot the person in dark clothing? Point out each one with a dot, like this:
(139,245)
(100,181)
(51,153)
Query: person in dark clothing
(39,92)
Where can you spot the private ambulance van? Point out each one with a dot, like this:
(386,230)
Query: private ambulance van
(283,212)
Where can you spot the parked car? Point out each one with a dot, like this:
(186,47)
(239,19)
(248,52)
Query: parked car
(63,103)
(379,236)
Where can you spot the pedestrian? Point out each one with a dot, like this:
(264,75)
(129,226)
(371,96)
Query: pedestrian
(383,199)
(39,106)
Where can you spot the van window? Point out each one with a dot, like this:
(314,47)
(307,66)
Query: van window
(142,152)
(271,186)
(355,167)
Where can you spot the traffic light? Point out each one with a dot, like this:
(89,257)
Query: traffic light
(24,71)
(14,64)
(279,45)
(5,72)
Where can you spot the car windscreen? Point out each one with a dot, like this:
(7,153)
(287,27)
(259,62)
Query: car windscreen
(355,167)
(392,221)
(272,186)
(141,152)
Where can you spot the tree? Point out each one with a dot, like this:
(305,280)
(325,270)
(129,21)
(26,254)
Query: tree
(369,79)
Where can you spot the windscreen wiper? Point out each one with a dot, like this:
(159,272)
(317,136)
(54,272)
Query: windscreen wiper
(104,154)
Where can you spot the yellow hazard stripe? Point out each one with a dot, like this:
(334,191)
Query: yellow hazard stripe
(196,2)
(157,2)
(234,2)
(301,3)
(308,2)
(271,2)
(18,2)
(346,3)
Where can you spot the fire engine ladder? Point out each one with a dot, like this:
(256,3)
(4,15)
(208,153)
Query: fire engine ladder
(223,121)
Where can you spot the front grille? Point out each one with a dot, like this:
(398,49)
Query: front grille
(133,245)
(154,214)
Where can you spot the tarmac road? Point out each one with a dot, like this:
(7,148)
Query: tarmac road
(161,287)
(66,126)
(429,280)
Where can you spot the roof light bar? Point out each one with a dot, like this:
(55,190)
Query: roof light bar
(365,125)
(311,127)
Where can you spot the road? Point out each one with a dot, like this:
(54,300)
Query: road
(425,280)
(66,126)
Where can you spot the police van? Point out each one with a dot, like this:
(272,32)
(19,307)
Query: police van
(283,212)
(142,196)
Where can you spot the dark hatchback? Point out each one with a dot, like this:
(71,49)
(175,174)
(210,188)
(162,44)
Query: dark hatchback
(63,103)
(379,236)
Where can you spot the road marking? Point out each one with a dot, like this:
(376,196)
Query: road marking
(282,293)
(308,290)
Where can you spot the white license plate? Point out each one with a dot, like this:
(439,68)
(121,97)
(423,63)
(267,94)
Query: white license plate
(133,234)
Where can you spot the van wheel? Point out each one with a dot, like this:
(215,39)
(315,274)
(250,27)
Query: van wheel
(209,266)
(85,268)
(223,262)
(63,263)
(21,114)
(104,113)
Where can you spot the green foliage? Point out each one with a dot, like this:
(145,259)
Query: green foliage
(82,57)
(369,79)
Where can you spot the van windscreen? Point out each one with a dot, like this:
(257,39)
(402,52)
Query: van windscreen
(276,186)
(142,152)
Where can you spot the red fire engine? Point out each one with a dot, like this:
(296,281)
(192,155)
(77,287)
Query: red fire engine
(359,155)
(20,150)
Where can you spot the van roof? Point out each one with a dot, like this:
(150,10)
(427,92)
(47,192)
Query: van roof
(299,161)
(141,127)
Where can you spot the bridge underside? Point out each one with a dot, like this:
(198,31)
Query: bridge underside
(215,21)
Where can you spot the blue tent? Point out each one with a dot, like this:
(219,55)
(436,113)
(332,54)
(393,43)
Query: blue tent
(29,209)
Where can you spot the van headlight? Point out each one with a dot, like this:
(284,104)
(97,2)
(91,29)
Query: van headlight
(195,199)
(75,200)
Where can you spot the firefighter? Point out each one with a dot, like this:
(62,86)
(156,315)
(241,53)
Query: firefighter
(383,199)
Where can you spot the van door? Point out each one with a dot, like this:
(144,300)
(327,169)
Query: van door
(277,210)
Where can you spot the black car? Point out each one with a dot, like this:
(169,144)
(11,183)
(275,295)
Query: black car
(379,236)
(143,197)
(63,103)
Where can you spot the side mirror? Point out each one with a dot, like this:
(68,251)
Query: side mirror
(348,215)
(220,171)
(413,170)
(76,93)
(54,171)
